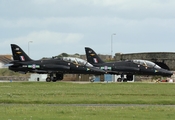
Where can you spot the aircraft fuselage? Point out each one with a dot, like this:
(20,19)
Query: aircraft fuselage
(50,65)
(126,67)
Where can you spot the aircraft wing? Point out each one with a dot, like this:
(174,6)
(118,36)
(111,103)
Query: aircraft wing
(127,69)
(112,72)
(50,68)
(121,70)
(56,67)
(39,71)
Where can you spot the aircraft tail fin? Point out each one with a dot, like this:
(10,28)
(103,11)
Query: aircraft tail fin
(19,54)
(92,57)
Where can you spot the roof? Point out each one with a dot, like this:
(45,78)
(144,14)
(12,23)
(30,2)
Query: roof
(5,58)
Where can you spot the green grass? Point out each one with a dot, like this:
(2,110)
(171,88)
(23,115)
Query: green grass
(54,112)
(41,100)
(98,93)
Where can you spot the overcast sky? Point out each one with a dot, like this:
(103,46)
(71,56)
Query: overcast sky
(57,26)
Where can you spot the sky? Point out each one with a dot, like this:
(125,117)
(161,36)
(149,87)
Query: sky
(67,26)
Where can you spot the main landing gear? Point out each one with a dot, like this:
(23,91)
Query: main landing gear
(54,77)
(125,78)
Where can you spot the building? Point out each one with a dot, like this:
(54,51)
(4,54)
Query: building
(5,59)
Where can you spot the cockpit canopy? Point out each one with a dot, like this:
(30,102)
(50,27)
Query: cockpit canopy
(77,61)
(146,63)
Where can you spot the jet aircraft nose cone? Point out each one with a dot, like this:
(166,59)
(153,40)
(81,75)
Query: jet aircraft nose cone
(165,72)
(170,73)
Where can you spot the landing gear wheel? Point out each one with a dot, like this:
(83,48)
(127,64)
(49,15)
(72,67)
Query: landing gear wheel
(125,80)
(48,79)
(54,80)
(119,80)
(92,80)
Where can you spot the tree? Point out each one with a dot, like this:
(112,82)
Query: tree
(63,55)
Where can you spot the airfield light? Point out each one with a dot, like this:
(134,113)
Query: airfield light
(112,45)
(29,47)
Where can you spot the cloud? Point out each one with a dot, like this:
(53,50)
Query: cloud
(44,43)
(46,37)
(79,23)
(137,9)
(40,2)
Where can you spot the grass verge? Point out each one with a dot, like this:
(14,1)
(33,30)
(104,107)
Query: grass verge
(54,112)
(98,93)
(42,101)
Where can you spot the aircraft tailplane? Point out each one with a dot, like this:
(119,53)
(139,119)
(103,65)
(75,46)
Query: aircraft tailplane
(19,54)
(92,57)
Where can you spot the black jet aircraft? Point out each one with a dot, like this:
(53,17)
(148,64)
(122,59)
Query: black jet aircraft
(54,67)
(128,68)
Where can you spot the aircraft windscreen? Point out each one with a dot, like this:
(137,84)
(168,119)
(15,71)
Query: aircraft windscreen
(77,61)
(146,63)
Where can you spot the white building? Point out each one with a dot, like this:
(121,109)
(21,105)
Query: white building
(38,77)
